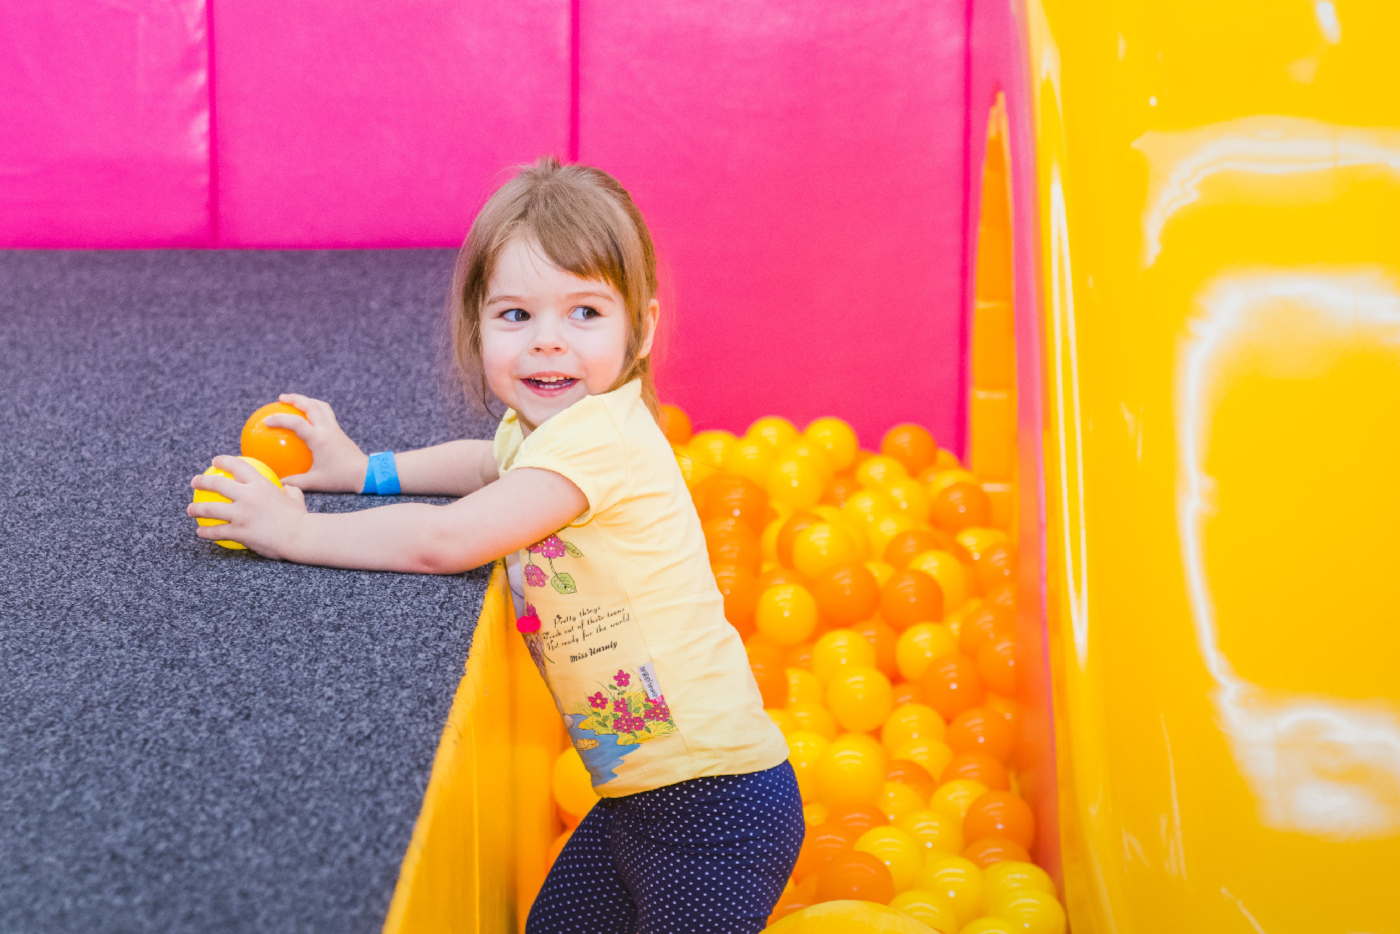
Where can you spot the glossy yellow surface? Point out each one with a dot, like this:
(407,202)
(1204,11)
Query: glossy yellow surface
(1219,188)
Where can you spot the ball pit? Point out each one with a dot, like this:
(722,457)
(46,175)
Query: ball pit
(877,608)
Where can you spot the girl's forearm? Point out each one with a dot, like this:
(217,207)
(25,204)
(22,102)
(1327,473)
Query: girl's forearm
(405,537)
(456,468)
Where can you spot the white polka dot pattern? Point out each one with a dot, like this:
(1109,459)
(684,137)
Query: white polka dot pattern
(705,856)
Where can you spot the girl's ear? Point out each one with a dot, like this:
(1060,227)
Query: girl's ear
(650,318)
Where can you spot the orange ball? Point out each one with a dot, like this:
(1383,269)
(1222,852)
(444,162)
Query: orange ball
(1002,601)
(846,593)
(996,663)
(1000,814)
(905,692)
(859,698)
(840,490)
(769,670)
(554,849)
(911,445)
(675,424)
(278,448)
(795,523)
(982,627)
(907,545)
(739,587)
(855,875)
(978,767)
(781,575)
(913,775)
(910,597)
(995,566)
(981,730)
(884,639)
(730,541)
(959,506)
(729,495)
(989,850)
(799,656)
(821,843)
(951,685)
(856,819)
(803,895)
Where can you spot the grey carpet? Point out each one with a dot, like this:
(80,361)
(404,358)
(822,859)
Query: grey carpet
(193,739)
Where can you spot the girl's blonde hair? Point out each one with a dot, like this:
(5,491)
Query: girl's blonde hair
(585,222)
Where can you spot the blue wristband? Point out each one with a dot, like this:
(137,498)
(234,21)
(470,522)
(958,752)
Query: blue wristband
(382,477)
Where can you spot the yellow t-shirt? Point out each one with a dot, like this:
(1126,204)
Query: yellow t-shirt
(652,681)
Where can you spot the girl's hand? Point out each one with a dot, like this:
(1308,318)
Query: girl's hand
(337,463)
(260,516)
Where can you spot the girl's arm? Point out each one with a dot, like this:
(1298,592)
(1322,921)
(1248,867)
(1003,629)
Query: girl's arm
(338,465)
(518,510)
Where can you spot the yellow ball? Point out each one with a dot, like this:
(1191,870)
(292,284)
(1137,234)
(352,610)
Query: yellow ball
(847,917)
(990,925)
(1009,875)
(909,722)
(851,771)
(836,437)
(897,850)
(803,687)
(935,911)
(786,613)
(865,506)
(712,447)
(935,831)
(1036,912)
(881,570)
(946,478)
(978,540)
(838,649)
(781,719)
(918,647)
(956,879)
(813,718)
(815,814)
(795,481)
(836,517)
(898,800)
(860,698)
(813,452)
(693,470)
(885,527)
(955,797)
(774,430)
(572,785)
(879,470)
(933,754)
(821,546)
(750,458)
(207,496)
(804,752)
(769,539)
(950,573)
(910,495)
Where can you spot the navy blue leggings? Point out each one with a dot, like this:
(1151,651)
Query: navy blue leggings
(707,855)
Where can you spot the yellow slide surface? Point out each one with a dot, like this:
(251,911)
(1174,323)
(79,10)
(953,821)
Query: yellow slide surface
(1219,188)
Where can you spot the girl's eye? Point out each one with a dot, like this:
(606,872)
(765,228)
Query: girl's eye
(516,315)
(583,313)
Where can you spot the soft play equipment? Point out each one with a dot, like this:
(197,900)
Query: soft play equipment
(1135,262)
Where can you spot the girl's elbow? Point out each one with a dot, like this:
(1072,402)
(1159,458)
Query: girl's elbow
(446,557)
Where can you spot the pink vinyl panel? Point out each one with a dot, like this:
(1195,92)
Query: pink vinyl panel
(367,124)
(104,123)
(801,168)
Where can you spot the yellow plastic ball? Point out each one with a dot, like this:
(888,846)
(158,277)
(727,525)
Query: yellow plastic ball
(879,470)
(572,785)
(881,570)
(935,831)
(911,721)
(1036,912)
(814,814)
(836,517)
(956,879)
(897,850)
(990,925)
(945,478)
(813,452)
(803,687)
(860,698)
(932,910)
(786,614)
(813,718)
(978,540)
(950,573)
(955,797)
(208,496)
(804,753)
(712,447)
(851,770)
(751,458)
(795,481)
(769,539)
(774,430)
(821,546)
(836,437)
(848,917)
(910,495)
(693,470)
(1010,874)
(838,649)
(898,800)
(781,719)
(865,506)
(933,754)
(918,647)
(885,527)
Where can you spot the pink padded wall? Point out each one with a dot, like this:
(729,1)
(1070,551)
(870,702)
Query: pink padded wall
(103,123)
(345,123)
(801,167)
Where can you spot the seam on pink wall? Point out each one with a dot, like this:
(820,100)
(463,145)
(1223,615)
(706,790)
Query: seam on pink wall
(212,136)
(964,302)
(575,44)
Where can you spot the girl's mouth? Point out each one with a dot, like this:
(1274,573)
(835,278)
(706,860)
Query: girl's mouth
(550,385)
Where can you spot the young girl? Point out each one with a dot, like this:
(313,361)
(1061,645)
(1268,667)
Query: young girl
(554,310)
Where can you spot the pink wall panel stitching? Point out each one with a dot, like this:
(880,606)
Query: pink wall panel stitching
(104,123)
(368,124)
(801,167)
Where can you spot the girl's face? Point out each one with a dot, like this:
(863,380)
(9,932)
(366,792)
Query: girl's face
(548,337)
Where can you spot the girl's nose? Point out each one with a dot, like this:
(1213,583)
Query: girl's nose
(547,338)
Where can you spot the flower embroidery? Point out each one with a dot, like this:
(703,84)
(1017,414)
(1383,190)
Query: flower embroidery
(534,575)
(551,548)
(620,706)
(622,678)
(626,712)
(597,701)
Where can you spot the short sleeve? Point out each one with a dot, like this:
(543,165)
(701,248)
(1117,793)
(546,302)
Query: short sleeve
(585,445)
